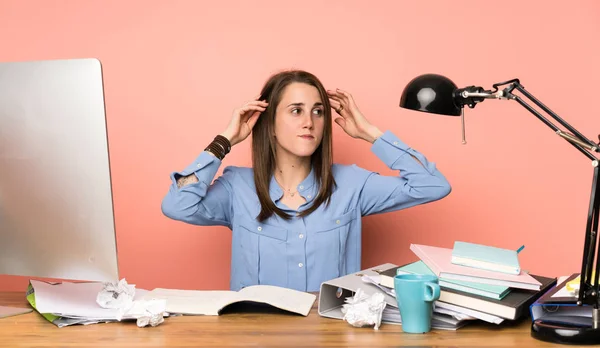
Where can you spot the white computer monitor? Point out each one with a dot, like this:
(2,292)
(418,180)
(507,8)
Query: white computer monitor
(56,205)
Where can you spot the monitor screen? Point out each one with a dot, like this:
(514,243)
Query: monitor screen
(56,208)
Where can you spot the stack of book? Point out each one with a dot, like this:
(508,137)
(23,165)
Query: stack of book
(492,291)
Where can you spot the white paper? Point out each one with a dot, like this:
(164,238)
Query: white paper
(147,312)
(563,292)
(453,314)
(376,280)
(75,300)
(116,295)
(470,312)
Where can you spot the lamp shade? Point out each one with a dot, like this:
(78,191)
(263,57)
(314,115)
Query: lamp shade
(431,93)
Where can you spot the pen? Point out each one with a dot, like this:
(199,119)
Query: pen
(521,248)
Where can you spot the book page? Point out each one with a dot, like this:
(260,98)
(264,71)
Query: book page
(194,302)
(287,299)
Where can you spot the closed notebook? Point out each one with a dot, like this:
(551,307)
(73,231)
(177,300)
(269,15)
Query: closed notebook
(439,260)
(486,257)
(496,292)
(512,306)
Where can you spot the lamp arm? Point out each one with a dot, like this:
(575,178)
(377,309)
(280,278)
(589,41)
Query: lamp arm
(589,288)
(576,136)
(472,95)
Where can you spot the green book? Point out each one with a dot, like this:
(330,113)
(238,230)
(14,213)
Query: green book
(496,292)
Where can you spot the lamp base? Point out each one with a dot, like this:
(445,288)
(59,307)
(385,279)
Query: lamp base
(564,333)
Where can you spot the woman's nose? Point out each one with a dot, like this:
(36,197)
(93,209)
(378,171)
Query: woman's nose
(308,122)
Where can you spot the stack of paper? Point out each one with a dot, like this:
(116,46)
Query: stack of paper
(487,295)
(66,303)
(440,321)
(496,292)
(459,315)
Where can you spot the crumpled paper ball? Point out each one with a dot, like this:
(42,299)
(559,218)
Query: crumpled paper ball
(363,310)
(148,312)
(116,295)
(120,296)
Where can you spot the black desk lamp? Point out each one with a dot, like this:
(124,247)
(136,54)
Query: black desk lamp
(439,95)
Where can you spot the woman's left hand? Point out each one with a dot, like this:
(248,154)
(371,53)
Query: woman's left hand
(351,119)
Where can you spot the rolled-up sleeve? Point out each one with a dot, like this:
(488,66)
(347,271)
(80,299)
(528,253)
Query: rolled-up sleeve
(201,203)
(417,183)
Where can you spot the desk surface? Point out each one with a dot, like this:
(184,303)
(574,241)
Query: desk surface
(249,328)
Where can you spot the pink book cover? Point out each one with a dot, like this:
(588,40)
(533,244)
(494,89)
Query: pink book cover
(439,260)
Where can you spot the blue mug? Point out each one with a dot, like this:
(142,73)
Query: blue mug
(415,295)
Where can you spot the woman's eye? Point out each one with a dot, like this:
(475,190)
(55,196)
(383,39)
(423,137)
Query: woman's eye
(295,111)
(318,111)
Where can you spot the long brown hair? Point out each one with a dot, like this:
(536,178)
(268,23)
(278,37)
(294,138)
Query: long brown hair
(263,144)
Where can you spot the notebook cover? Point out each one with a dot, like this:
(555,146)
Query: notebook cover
(492,256)
(518,300)
(419,267)
(439,260)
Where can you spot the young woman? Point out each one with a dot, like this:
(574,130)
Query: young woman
(295,216)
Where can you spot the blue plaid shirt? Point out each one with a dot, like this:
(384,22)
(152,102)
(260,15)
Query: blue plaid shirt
(301,253)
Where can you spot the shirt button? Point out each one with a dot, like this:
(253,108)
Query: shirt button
(309,196)
(301,187)
(337,222)
(259,228)
(395,143)
(301,236)
(199,165)
(300,265)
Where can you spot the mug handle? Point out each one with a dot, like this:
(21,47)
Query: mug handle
(432,295)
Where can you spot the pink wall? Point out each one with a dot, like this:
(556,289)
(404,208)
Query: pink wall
(174,71)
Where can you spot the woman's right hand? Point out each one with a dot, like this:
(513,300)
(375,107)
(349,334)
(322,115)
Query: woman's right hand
(243,120)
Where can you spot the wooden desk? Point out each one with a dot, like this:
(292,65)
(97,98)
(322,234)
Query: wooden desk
(266,328)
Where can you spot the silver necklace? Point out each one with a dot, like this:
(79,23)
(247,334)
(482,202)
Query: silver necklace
(292,194)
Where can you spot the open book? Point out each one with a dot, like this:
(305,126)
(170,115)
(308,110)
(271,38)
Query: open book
(199,302)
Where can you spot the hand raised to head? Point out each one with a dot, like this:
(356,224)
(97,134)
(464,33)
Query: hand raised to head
(243,120)
(352,121)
